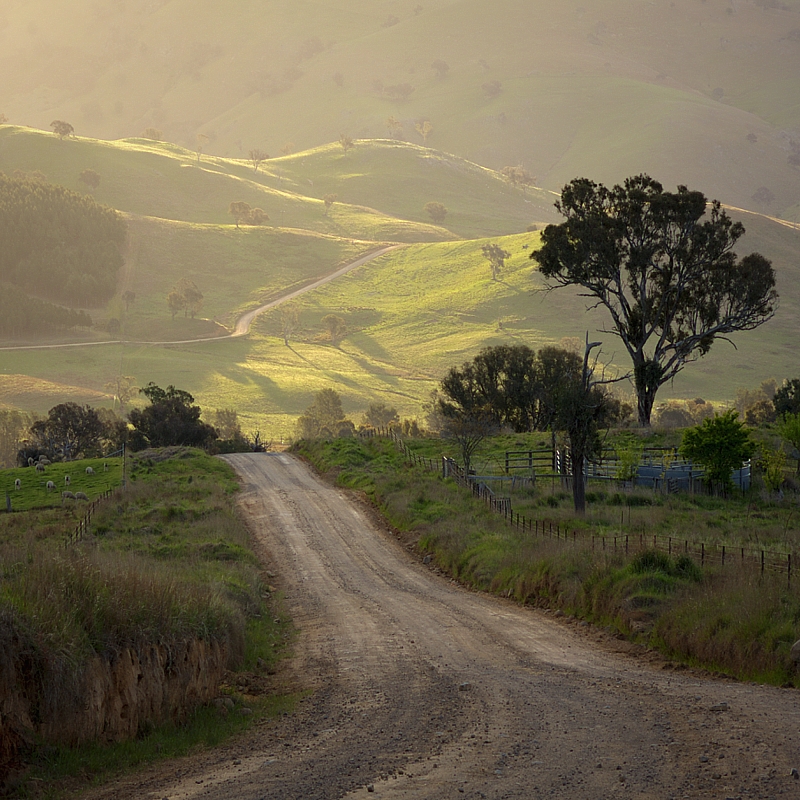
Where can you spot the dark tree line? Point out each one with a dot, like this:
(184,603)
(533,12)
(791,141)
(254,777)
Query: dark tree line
(57,244)
(21,315)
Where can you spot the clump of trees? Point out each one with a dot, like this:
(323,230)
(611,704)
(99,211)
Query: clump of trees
(62,129)
(58,245)
(662,265)
(324,418)
(186,297)
(436,211)
(243,213)
(22,315)
(172,418)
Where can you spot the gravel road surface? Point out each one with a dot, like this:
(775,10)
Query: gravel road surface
(419,688)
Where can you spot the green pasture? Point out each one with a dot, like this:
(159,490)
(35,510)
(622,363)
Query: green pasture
(33,492)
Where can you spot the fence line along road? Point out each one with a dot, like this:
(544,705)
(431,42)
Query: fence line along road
(722,555)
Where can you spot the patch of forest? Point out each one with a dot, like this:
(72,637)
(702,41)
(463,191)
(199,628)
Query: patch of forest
(57,244)
(21,315)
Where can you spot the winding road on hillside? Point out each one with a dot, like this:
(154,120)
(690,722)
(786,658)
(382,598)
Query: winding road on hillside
(243,323)
(421,690)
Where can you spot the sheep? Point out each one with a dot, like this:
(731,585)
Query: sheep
(67,496)
(50,486)
(81,496)
(40,467)
(44,460)
(17,484)
(30,461)
(66,480)
(89,471)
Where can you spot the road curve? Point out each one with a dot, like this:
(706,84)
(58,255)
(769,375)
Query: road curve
(242,325)
(422,690)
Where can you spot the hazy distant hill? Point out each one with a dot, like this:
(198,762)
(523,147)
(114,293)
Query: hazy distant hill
(698,93)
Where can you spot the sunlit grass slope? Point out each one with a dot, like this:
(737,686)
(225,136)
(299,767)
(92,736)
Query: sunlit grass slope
(381,186)
(606,89)
(411,314)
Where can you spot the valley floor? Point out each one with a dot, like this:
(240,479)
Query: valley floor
(421,689)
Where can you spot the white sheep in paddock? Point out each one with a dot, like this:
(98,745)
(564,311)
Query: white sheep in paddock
(89,471)
(30,461)
(39,467)
(66,480)
(67,496)
(81,496)
(44,461)
(50,486)
(17,484)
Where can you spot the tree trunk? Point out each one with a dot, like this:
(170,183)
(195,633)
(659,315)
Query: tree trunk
(578,483)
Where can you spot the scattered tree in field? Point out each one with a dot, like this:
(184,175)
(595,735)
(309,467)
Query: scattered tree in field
(496,257)
(239,210)
(69,432)
(752,138)
(518,176)
(394,126)
(324,418)
(288,148)
(62,129)
(200,142)
(379,415)
(436,211)
(226,421)
(290,321)
(441,68)
(400,91)
(492,88)
(390,21)
(338,79)
(668,278)
(787,398)
(192,296)
(720,445)
(336,327)
(3,119)
(257,158)
(788,428)
(123,388)
(152,133)
(175,302)
(424,129)
(170,419)
(329,200)
(346,142)
(467,430)
(129,298)
(257,216)
(417,9)
(90,178)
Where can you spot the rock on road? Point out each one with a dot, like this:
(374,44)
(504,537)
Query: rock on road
(421,689)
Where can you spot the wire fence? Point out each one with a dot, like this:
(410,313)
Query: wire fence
(82,528)
(763,560)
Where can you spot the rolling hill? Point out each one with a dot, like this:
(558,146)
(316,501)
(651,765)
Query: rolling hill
(695,93)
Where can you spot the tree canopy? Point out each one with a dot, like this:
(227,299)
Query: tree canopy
(69,432)
(663,266)
(324,418)
(170,419)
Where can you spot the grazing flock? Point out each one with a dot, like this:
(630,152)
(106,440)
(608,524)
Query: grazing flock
(41,465)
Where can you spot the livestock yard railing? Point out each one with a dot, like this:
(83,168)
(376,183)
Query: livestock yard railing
(82,527)
(722,555)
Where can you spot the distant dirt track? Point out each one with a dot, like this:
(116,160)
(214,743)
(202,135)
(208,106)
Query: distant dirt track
(422,689)
(242,326)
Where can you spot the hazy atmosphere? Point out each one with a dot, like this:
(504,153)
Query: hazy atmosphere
(343,122)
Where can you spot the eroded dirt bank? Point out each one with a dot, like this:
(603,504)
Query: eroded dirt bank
(421,689)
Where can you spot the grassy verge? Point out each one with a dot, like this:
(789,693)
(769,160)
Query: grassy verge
(165,561)
(733,621)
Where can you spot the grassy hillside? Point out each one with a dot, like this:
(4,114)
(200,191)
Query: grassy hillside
(696,93)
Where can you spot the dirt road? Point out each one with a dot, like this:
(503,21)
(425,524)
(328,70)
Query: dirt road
(421,689)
